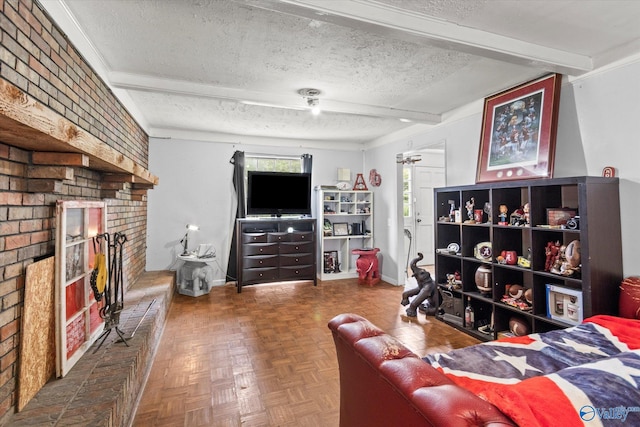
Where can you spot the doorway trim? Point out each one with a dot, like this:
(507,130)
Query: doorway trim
(438,146)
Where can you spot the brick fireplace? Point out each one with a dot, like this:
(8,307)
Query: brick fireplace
(63,135)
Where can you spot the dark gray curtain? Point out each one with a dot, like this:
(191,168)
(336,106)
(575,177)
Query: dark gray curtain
(307,160)
(238,184)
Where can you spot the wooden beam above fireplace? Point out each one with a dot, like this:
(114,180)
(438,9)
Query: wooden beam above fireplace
(30,125)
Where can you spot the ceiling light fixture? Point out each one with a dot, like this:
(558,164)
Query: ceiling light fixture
(410,159)
(311,96)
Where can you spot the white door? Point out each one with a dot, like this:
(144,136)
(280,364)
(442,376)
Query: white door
(426,178)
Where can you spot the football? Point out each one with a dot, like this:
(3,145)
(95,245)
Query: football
(483,279)
(519,327)
(528,296)
(516,291)
(572,253)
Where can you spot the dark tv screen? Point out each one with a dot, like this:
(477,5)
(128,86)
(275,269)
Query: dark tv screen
(278,193)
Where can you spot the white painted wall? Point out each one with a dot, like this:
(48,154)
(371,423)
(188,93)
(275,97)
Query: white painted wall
(598,121)
(598,117)
(196,188)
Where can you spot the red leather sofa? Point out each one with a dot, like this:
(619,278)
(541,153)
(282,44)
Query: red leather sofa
(383,383)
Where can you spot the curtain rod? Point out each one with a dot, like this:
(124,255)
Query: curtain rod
(273,156)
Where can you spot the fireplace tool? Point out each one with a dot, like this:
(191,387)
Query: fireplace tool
(114,290)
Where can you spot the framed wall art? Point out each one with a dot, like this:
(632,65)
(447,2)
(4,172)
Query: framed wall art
(557,217)
(519,132)
(340,229)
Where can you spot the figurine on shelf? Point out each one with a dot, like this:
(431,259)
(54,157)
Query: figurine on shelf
(567,261)
(470,205)
(502,216)
(551,252)
(452,210)
(527,219)
(327,228)
(424,292)
(517,217)
(454,281)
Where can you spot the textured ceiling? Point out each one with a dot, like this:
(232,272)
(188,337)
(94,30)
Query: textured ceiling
(230,70)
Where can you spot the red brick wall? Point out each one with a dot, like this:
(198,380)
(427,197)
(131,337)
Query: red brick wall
(38,59)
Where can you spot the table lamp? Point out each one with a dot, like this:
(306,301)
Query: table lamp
(185,239)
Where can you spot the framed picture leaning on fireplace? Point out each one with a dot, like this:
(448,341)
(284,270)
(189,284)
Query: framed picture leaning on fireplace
(518,134)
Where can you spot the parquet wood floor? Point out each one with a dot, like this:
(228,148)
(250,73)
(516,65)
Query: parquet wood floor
(265,357)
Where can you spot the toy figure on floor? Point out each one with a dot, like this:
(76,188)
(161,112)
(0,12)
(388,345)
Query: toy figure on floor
(425,292)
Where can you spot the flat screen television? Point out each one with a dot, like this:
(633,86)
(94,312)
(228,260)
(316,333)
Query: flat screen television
(278,193)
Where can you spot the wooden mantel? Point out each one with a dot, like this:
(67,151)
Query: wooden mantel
(30,125)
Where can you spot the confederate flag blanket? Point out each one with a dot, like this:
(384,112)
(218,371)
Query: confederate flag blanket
(586,375)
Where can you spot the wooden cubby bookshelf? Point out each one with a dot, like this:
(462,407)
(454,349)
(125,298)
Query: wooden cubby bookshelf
(596,200)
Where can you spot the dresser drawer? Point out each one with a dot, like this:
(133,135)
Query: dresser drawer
(260,249)
(303,272)
(258,261)
(301,236)
(278,237)
(254,237)
(296,247)
(296,259)
(255,275)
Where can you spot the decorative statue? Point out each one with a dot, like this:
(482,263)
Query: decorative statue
(517,217)
(567,261)
(527,219)
(470,205)
(425,292)
(551,252)
(502,216)
(367,266)
(202,278)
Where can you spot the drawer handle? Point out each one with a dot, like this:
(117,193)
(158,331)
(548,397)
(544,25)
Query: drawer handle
(260,274)
(297,247)
(261,249)
(297,272)
(297,260)
(260,262)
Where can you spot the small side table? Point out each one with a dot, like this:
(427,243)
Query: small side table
(195,275)
(367,266)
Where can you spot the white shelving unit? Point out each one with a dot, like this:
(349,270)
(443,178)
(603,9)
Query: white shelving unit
(345,223)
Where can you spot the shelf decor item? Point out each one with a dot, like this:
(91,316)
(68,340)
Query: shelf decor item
(483,280)
(340,229)
(557,217)
(519,132)
(331,264)
(564,304)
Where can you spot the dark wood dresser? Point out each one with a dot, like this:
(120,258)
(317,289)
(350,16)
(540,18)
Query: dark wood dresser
(275,250)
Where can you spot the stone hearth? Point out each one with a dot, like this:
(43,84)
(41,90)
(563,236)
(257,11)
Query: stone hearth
(102,389)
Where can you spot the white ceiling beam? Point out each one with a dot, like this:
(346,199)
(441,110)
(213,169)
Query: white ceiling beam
(130,81)
(178,134)
(396,22)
